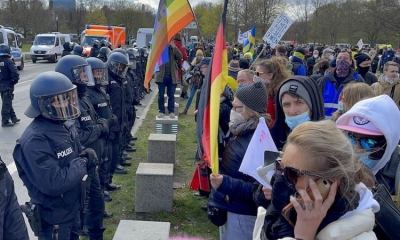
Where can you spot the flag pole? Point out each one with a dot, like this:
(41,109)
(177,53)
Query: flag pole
(197,23)
(262,51)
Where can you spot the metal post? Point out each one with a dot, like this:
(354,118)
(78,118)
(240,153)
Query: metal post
(57,23)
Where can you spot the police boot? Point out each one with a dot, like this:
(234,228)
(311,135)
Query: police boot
(15,120)
(130,149)
(107,214)
(107,197)
(7,124)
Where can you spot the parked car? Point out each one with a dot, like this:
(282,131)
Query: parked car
(9,37)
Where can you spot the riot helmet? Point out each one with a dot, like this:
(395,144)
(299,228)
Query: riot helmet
(123,51)
(117,63)
(96,43)
(99,70)
(5,50)
(54,97)
(104,52)
(78,50)
(132,58)
(67,46)
(142,52)
(76,69)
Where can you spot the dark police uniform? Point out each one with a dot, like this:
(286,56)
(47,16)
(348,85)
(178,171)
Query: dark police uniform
(48,162)
(8,78)
(12,224)
(91,135)
(94,51)
(129,106)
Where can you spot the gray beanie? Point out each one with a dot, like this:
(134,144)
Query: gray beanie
(254,97)
(296,88)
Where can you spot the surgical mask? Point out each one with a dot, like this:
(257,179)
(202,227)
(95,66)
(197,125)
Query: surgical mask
(242,86)
(389,80)
(294,121)
(398,55)
(331,57)
(259,79)
(342,68)
(235,117)
(364,157)
(315,56)
(340,106)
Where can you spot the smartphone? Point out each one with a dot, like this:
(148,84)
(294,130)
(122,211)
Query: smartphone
(269,164)
(289,212)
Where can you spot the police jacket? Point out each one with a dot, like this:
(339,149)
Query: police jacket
(136,86)
(235,193)
(48,162)
(116,91)
(100,101)
(128,82)
(12,224)
(94,52)
(331,90)
(9,75)
(88,130)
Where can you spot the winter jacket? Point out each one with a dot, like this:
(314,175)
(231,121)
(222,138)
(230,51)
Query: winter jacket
(280,130)
(9,75)
(392,90)
(235,193)
(374,64)
(174,55)
(298,66)
(370,78)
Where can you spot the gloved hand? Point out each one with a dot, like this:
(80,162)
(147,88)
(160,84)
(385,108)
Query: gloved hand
(91,156)
(112,120)
(105,126)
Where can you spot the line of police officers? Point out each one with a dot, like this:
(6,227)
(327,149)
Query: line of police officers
(82,113)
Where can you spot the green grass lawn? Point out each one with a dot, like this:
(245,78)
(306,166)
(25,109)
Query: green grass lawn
(187,218)
(26,47)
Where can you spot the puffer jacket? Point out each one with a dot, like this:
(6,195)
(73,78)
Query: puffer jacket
(235,193)
(357,227)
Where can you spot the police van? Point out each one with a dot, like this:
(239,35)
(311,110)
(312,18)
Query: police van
(9,37)
(48,46)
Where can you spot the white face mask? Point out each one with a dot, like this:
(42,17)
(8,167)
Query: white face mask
(331,57)
(235,117)
(315,56)
(260,79)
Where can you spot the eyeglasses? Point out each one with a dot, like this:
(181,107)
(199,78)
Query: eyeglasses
(291,174)
(259,73)
(367,143)
(236,107)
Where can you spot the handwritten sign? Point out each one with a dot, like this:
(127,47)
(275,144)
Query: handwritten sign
(277,29)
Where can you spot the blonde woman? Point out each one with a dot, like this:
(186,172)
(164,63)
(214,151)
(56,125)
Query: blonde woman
(272,72)
(332,198)
(351,94)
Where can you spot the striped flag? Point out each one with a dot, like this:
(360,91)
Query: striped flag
(172,17)
(215,82)
(250,42)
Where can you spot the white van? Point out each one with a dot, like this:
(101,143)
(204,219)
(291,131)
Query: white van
(10,38)
(144,36)
(48,46)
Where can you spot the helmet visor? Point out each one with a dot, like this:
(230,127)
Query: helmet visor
(119,69)
(83,75)
(63,106)
(100,76)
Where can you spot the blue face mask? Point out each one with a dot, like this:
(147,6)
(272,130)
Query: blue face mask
(242,86)
(364,157)
(340,106)
(294,121)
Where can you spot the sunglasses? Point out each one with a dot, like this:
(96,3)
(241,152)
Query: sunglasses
(259,73)
(291,174)
(366,143)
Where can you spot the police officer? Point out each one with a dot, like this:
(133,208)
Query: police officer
(92,132)
(50,159)
(78,50)
(101,104)
(117,65)
(8,78)
(95,49)
(103,54)
(11,221)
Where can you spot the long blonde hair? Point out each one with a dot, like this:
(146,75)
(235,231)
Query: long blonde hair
(330,152)
(352,94)
(276,66)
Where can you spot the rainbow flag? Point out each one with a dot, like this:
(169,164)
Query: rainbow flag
(250,42)
(216,80)
(172,17)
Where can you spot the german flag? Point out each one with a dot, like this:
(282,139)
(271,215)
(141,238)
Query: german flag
(216,79)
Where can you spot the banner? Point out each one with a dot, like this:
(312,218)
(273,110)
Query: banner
(277,29)
(243,36)
(360,44)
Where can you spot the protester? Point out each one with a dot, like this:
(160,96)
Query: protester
(363,62)
(332,83)
(249,57)
(320,69)
(328,53)
(248,106)
(372,126)
(311,61)
(389,83)
(319,153)
(351,94)
(297,60)
(375,60)
(245,78)
(233,68)
(387,56)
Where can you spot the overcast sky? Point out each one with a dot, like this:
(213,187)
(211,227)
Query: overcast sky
(154,3)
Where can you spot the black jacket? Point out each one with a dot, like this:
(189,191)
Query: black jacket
(387,175)
(100,101)
(9,75)
(48,162)
(280,130)
(94,52)
(369,78)
(116,91)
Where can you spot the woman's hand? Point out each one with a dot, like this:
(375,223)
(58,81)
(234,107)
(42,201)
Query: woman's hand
(267,193)
(311,213)
(216,180)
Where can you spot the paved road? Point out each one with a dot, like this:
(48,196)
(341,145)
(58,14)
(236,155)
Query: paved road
(9,135)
